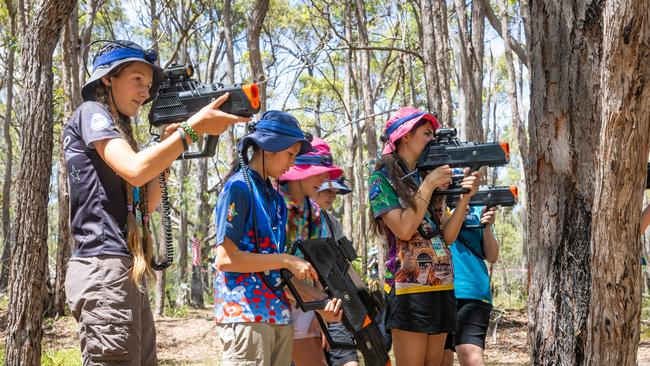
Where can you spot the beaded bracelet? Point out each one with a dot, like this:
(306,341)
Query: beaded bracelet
(190,131)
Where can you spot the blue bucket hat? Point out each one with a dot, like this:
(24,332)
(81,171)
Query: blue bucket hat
(114,54)
(274,132)
(336,184)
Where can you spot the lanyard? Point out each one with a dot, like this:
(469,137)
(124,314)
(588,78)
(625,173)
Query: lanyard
(276,231)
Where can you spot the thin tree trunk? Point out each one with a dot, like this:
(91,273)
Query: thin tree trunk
(201,232)
(471,37)
(441,32)
(366,84)
(7,234)
(498,26)
(348,208)
(429,48)
(182,297)
(230,71)
(564,126)
(161,276)
(522,139)
(615,306)
(254,27)
(25,308)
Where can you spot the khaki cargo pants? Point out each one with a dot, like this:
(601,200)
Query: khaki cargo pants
(116,325)
(255,344)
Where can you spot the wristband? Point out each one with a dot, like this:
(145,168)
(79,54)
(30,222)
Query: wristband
(190,131)
(181,132)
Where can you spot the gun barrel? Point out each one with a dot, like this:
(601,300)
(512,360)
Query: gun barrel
(490,196)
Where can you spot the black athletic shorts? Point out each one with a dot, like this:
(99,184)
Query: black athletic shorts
(427,312)
(340,356)
(473,321)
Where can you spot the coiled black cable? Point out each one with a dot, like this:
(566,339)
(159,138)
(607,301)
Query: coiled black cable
(167,227)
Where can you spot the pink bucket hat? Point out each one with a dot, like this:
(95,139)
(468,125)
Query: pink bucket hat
(400,123)
(314,163)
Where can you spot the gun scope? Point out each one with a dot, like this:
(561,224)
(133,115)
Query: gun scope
(176,71)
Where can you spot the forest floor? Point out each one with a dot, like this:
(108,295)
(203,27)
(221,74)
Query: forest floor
(192,340)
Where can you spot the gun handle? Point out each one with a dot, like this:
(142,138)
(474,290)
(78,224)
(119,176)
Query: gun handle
(209,149)
(304,305)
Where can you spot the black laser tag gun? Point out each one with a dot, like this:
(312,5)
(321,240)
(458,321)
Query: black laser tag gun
(180,96)
(489,196)
(447,149)
(331,260)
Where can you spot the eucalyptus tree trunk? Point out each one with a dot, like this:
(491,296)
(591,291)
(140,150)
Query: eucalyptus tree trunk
(28,272)
(471,38)
(564,128)
(230,73)
(254,27)
(7,235)
(615,307)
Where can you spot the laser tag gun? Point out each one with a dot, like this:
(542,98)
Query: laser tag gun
(447,149)
(331,260)
(180,96)
(489,196)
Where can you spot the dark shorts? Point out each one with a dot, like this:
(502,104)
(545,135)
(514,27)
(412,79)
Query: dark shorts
(428,312)
(473,321)
(340,356)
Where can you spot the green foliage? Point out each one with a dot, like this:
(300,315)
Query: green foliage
(61,357)
(176,312)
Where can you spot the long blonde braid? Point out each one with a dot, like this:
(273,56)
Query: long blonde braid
(140,247)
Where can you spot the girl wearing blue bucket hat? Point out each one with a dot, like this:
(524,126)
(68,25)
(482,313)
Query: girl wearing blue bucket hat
(251,310)
(112,183)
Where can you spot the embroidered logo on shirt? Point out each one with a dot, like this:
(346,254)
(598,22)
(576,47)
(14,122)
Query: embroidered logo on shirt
(98,122)
(231,212)
(375,188)
(74,174)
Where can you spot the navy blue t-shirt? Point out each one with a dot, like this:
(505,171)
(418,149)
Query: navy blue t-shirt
(97,194)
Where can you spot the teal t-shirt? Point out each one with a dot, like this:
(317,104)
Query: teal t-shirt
(471,278)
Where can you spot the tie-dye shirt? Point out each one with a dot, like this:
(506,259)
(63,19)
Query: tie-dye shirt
(244,297)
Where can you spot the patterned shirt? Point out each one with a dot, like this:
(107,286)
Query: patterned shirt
(244,297)
(418,264)
(303,221)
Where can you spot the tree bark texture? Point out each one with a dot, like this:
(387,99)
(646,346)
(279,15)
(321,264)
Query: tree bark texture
(428,41)
(366,83)
(25,309)
(564,126)
(254,27)
(230,72)
(471,37)
(7,235)
(615,307)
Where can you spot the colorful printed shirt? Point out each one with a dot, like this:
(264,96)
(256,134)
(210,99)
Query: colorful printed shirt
(416,265)
(244,297)
(471,278)
(303,222)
